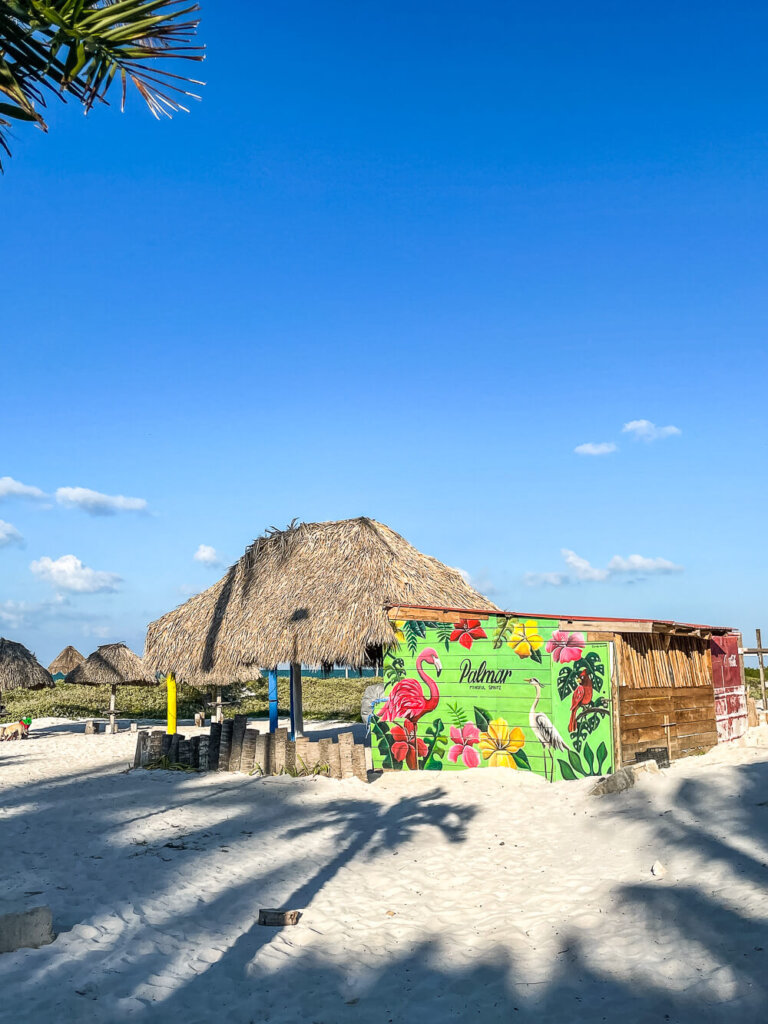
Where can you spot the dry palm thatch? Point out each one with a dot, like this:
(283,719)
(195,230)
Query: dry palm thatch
(69,658)
(20,669)
(112,665)
(315,593)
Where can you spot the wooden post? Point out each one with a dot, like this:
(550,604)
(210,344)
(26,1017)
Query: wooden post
(297,706)
(219,711)
(112,693)
(170,680)
(272,700)
(761,667)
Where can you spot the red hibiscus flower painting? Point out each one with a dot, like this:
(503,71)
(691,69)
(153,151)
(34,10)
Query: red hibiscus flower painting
(468,630)
(407,746)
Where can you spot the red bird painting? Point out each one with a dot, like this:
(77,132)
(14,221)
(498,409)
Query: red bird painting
(582,696)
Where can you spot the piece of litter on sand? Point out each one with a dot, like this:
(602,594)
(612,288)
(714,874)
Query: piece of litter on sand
(658,869)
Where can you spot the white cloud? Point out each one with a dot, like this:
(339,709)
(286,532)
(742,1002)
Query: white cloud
(631,568)
(207,555)
(97,504)
(582,569)
(545,579)
(69,573)
(644,430)
(10,488)
(596,448)
(640,564)
(9,535)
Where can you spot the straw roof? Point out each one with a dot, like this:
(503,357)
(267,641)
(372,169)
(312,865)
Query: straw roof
(69,658)
(315,593)
(112,665)
(20,669)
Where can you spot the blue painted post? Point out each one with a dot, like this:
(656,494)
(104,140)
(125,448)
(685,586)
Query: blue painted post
(273,700)
(290,690)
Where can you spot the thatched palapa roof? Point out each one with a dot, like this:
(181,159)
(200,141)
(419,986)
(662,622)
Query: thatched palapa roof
(69,658)
(112,665)
(20,669)
(315,593)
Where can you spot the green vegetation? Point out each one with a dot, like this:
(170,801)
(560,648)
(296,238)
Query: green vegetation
(324,699)
(752,676)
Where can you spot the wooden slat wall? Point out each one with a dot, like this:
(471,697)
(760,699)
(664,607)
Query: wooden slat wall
(688,711)
(658,660)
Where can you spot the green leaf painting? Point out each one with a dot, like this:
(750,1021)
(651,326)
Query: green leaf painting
(457,714)
(384,744)
(592,764)
(443,631)
(436,742)
(482,719)
(521,760)
(502,632)
(414,632)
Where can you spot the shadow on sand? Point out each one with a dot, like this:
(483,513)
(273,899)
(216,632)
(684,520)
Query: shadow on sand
(211,890)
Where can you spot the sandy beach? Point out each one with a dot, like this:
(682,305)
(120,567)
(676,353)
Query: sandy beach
(484,895)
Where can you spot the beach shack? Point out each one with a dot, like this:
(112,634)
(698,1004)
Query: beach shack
(565,697)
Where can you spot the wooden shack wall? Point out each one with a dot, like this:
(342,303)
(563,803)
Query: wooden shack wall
(665,694)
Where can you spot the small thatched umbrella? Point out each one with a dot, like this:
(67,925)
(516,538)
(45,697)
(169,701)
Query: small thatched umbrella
(315,593)
(68,659)
(112,665)
(20,669)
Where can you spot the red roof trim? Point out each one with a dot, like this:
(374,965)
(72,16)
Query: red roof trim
(549,615)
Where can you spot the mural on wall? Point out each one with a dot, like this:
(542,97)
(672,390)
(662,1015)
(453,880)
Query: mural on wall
(500,692)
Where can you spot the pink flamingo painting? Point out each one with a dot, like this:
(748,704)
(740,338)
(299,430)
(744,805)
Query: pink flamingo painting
(406,698)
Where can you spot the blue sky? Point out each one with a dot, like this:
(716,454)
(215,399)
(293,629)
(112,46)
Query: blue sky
(400,261)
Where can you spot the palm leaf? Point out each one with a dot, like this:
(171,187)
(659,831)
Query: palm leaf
(78,47)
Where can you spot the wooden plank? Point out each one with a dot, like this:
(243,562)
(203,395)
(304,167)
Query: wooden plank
(214,744)
(358,762)
(240,723)
(644,721)
(405,612)
(280,744)
(685,716)
(334,760)
(346,741)
(650,735)
(202,753)
(261,753)
(225,745)
(249,750)
(324,754)
(305,752)
(607,626)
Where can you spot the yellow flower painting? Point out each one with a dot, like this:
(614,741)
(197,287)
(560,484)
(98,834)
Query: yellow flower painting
(500,742)
(526,640)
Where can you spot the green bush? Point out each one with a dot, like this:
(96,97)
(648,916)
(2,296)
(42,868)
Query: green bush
(752,676)
(324,699)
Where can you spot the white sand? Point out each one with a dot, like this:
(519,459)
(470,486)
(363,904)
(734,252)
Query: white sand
(486,895)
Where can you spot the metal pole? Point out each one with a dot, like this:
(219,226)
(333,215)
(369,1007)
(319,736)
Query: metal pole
(273,700)
(761,666)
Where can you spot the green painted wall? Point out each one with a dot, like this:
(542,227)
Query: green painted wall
(457,697)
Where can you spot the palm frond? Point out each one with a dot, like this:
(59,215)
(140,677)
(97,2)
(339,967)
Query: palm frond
(79,47)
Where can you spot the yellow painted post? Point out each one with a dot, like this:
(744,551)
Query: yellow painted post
(170,680)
